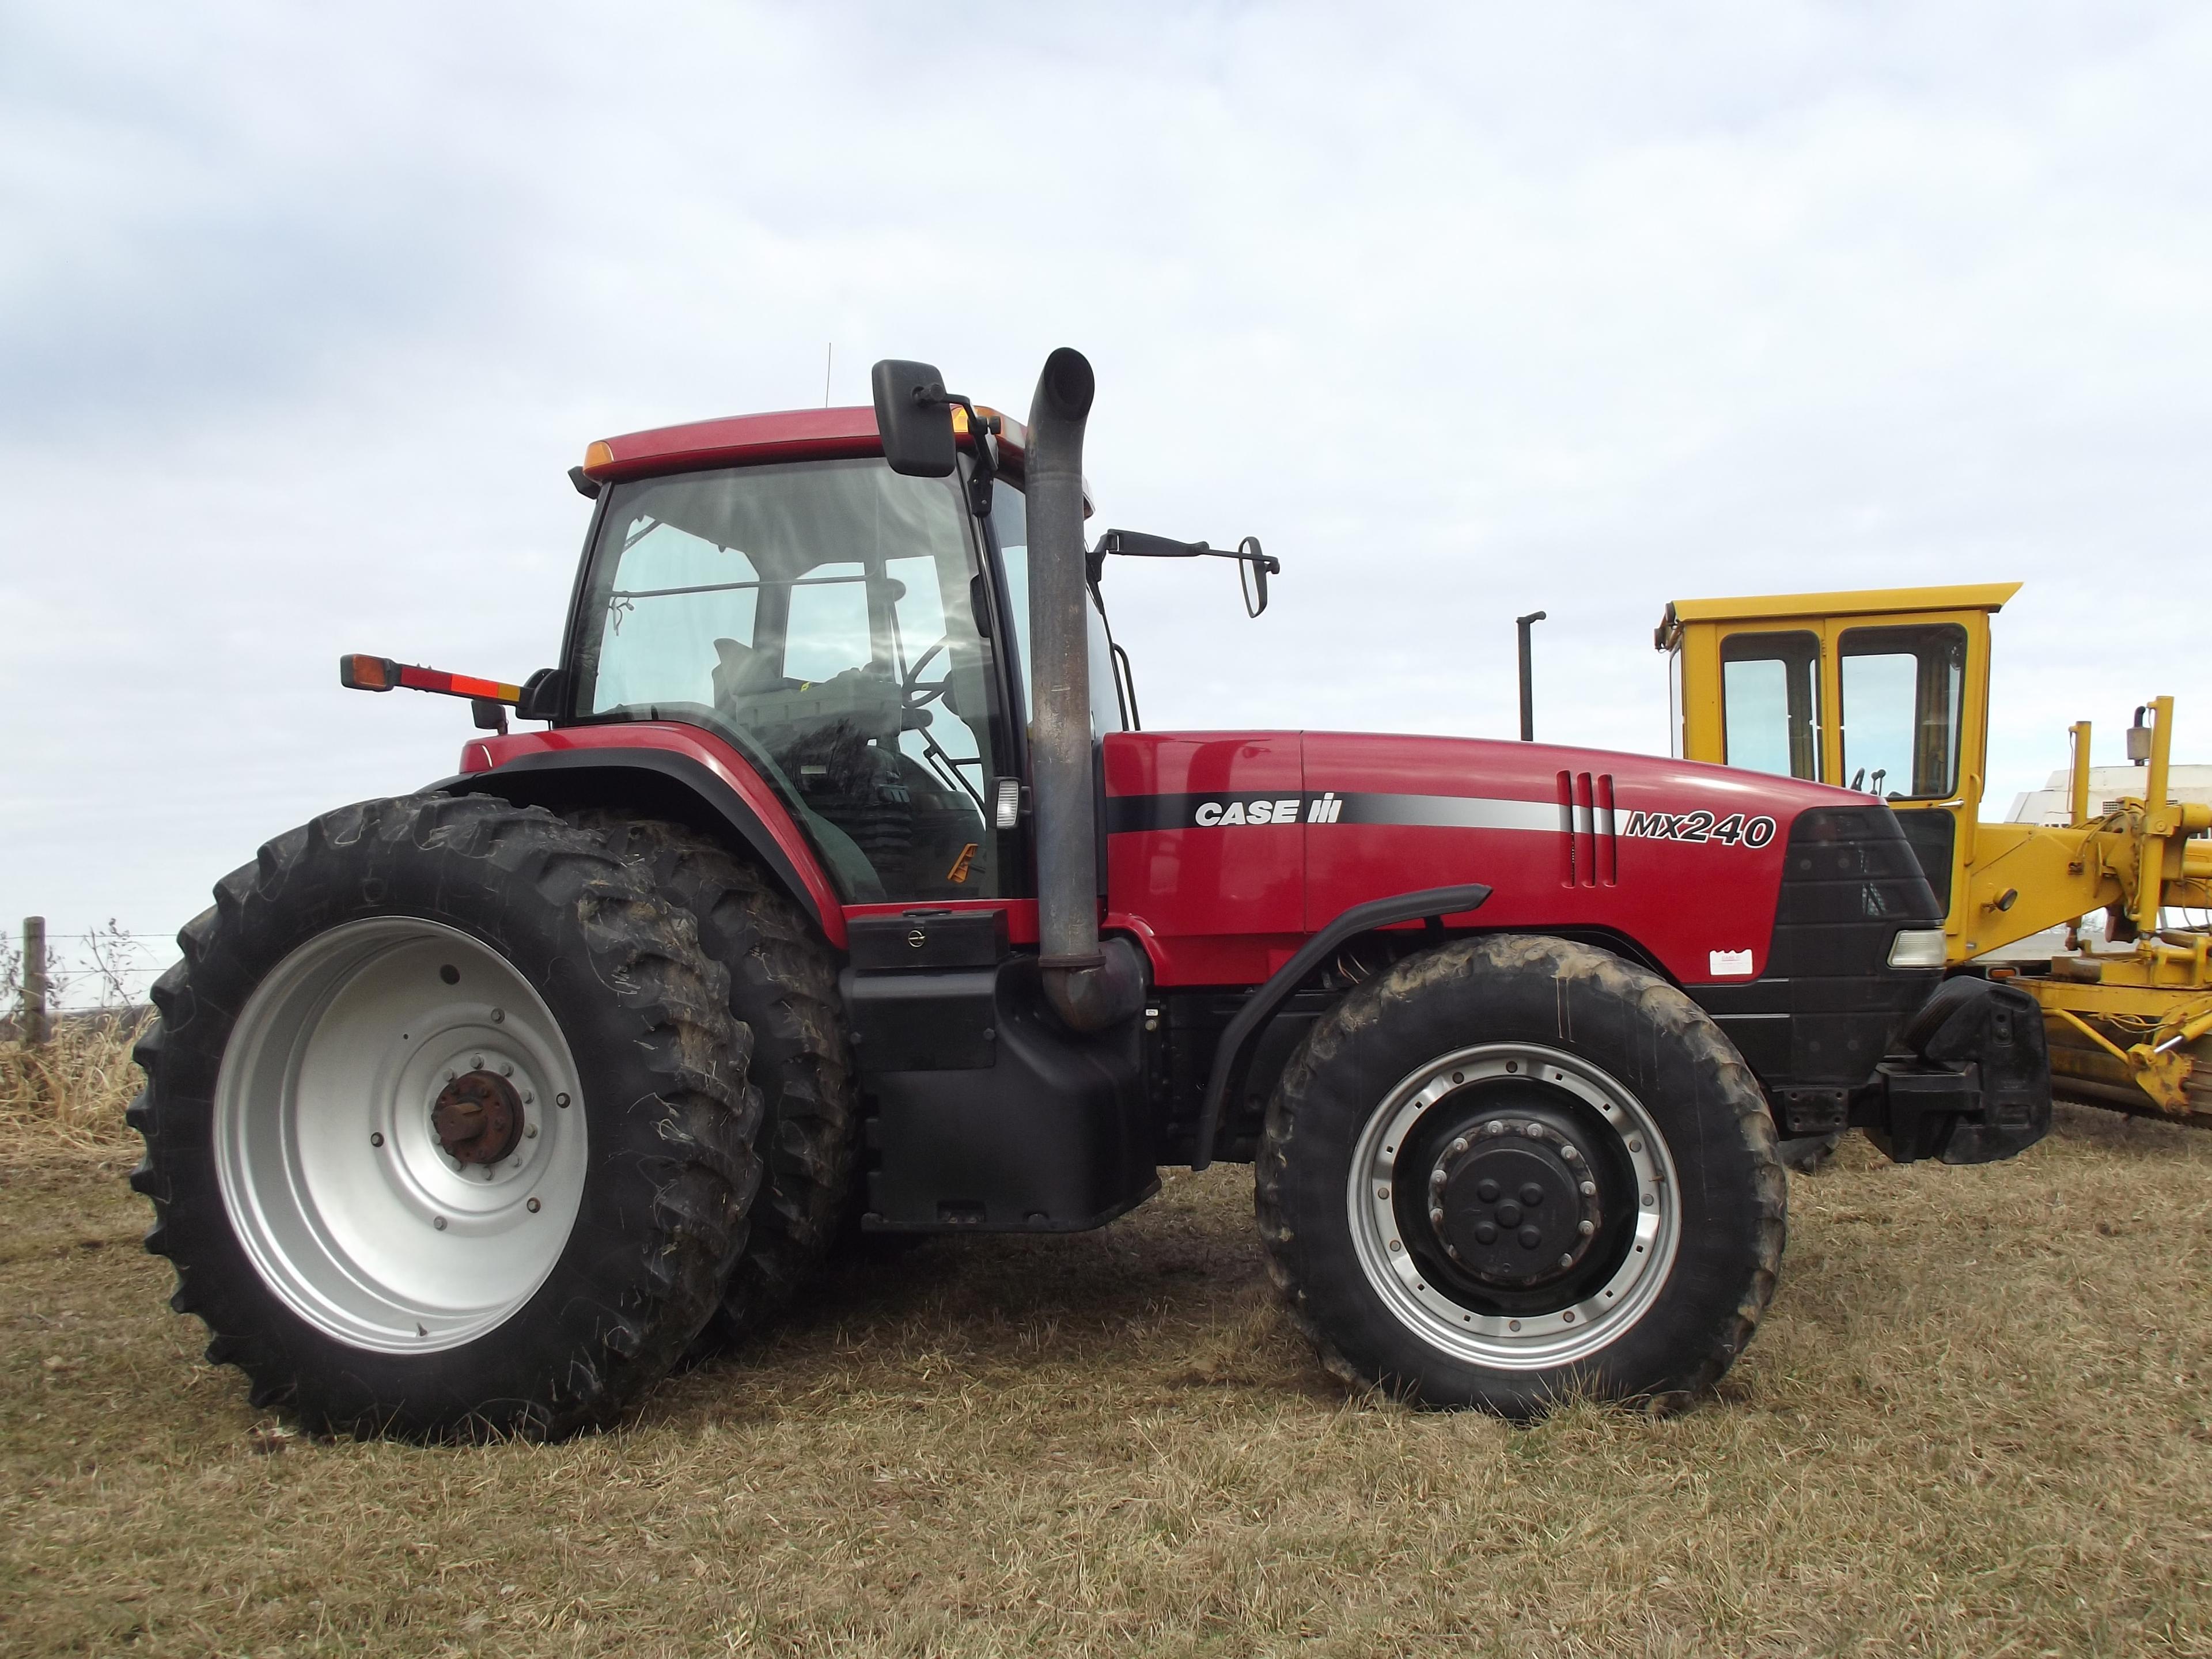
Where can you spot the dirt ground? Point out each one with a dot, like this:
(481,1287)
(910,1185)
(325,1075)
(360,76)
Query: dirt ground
(1976,1422)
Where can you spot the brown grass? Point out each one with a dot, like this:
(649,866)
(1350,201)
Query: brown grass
(1976,1422)
(69,1093)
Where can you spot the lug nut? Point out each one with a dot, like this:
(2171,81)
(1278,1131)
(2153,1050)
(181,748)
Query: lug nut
(1495,1129)
(439,1222)
(1635,1146)
(507,1071)
(1382,1191)
(1568,1153)
(499,1016)
(1436,1218)
(1534,1132)
(1458,1147)
(450,1076)
(1436,1177)
(1589,1189)
(376,1140)
(476,1062)
(1587,1228)
(1395,1246)
(529,1132)
(561,1101)
(1567,1261)
(533,1206)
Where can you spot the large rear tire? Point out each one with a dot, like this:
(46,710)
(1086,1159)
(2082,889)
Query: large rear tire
(1510,1170)
(783,988)
(447,1129)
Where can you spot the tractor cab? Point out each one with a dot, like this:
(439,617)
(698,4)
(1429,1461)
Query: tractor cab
(1885,693)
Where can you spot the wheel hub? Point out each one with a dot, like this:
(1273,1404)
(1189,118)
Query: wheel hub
(1439,1199)
(1512,1198)
(477,1118)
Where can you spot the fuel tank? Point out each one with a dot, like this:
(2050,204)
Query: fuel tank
(1225,849)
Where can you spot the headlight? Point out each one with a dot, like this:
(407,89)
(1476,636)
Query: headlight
(1917,947)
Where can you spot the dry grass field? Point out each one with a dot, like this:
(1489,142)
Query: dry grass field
(1978,1421)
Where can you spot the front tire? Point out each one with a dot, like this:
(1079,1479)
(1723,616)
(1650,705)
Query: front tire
(1509,1169)
(446,1124)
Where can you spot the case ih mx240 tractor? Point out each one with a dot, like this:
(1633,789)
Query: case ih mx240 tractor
(842,890)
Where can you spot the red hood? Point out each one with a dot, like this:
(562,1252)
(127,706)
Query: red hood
(1266,837)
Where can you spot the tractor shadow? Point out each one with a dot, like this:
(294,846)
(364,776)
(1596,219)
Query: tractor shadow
(1174,1293)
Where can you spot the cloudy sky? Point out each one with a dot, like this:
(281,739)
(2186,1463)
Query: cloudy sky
(1464,310)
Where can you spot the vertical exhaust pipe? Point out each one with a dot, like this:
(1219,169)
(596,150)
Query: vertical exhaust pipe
(1089,985)
(1527,677)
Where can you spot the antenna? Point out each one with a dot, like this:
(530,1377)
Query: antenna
(829,357)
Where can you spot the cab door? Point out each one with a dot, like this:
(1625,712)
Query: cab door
(1911,702)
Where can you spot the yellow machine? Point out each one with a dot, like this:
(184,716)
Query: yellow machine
(1888,692)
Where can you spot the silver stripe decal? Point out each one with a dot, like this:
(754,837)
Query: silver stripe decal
(1454,813)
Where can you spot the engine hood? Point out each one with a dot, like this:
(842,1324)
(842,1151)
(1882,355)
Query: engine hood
(1216,836)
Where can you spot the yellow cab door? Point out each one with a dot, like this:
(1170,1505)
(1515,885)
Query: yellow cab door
(1885,693)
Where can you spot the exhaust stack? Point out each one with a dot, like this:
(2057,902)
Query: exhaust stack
(1089,985)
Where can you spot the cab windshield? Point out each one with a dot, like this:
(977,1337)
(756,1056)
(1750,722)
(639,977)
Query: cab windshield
(819,617)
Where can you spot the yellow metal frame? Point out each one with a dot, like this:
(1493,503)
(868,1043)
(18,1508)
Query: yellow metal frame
(2131,1025)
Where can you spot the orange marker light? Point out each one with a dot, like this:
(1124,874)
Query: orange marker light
(364,673)
(367,673)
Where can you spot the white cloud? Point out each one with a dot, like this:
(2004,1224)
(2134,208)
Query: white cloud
(1465,311)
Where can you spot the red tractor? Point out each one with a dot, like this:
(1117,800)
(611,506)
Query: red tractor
(843,890)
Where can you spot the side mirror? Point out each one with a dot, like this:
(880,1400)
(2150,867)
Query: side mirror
(914,418)
(1252,570)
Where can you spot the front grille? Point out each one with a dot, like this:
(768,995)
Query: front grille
(1849,880)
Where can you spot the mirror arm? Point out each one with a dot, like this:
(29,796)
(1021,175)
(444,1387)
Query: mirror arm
(985,430)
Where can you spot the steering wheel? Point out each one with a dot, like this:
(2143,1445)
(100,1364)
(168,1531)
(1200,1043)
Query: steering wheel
(912,684)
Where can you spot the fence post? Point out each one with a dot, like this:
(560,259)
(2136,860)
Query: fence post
(37,1026)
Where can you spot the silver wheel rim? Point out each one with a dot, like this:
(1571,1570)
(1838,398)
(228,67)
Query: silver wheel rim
(335,1182)
(1519,1341)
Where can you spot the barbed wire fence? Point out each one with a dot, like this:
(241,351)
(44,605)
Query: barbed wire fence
(43,975)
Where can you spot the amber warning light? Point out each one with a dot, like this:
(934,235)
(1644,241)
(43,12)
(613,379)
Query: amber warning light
(366,673)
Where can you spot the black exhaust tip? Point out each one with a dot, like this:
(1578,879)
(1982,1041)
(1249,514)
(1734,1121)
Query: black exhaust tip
(1068,384)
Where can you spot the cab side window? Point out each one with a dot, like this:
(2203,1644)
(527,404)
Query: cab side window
(818,618)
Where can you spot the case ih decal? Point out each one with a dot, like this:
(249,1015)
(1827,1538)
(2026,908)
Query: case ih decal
(1227,810)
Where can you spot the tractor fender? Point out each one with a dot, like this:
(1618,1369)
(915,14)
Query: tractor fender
(656,773)
(1233,1056)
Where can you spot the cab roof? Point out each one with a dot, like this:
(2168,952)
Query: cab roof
(791,434)
(1874,601)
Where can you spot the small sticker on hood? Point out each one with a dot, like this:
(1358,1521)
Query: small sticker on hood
(1736,963)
